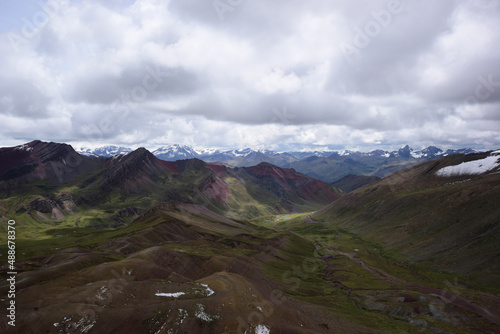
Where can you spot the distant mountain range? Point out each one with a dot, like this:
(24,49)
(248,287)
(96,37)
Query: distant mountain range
(238,158)
(376,163)
(250,157)
(328,166)
(247,157)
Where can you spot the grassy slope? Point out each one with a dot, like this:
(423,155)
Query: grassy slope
(448,224)
(349,262)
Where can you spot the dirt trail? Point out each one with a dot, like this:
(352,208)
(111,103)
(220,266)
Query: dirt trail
(444,295)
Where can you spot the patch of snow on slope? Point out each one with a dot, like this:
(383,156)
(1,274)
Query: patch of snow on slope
(173,294)
(23,147)
(262,329)
(474,167)
(202,315)
(417,155)
(207,292)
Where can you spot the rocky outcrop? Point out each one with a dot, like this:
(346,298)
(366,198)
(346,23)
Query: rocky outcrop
(66,202)
(44,206)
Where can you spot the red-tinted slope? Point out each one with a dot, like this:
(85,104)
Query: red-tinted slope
(279,180)
(37,160)
(220,169)
(281,175)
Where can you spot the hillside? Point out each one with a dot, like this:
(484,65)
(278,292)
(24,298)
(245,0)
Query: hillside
(352,182)
(440,213)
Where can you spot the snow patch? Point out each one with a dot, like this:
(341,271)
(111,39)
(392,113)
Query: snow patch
(85,324)
(417,155)
(262,329)
(201,314)
(101,293)
(344,152)
(170,294)
(474,167)
(23,147)
(207,292)
(183,314)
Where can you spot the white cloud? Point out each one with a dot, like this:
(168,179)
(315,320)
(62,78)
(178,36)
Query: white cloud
(278,82)
(149,72)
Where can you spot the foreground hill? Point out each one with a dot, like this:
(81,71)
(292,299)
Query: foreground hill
(442,213)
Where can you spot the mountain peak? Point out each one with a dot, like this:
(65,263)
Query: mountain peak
(141,150)
(140,154)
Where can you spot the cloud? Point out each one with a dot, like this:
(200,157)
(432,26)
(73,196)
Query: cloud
(252,73)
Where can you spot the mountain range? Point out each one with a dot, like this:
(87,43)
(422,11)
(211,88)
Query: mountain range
(135,244)
(249,157)
(328,166)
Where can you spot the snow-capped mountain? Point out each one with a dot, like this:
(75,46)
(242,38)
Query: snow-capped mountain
(176,152)
(104,151)
(406,152)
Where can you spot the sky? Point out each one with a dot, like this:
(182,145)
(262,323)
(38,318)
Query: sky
(268,74)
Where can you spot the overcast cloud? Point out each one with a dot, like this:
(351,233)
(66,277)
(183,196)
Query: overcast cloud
(270,74)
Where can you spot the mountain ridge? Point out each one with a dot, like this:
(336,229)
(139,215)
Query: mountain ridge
(174,152)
